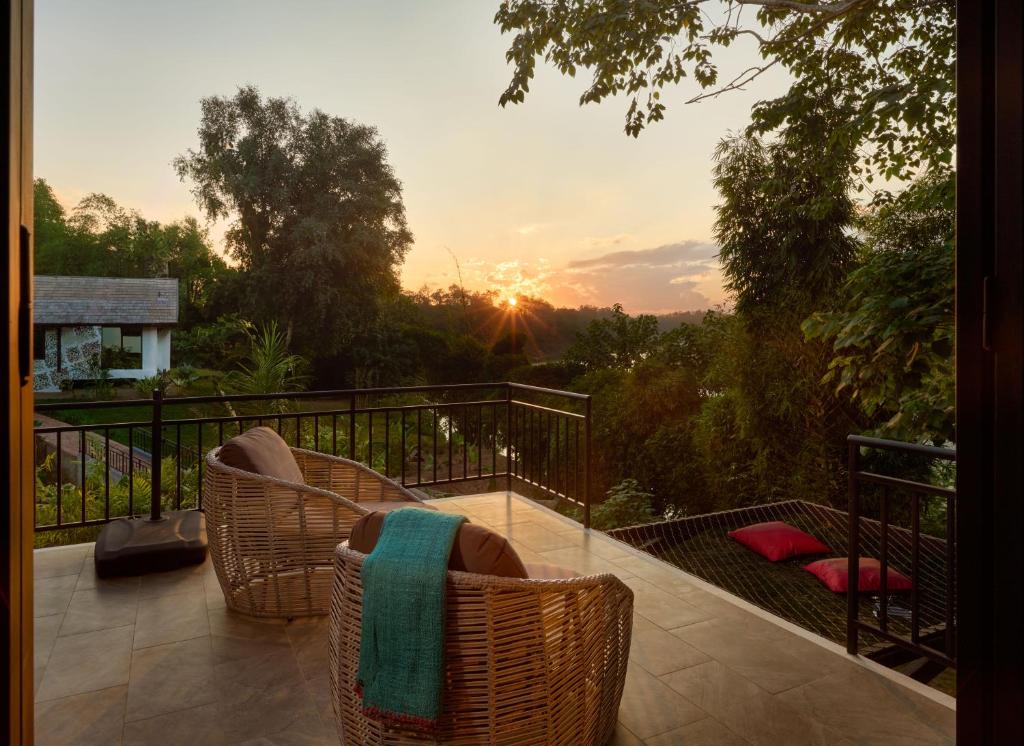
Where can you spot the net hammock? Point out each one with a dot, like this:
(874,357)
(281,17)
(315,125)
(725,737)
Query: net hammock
(700,546)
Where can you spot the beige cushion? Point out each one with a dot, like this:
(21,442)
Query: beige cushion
(387,505)
(476,549)
(261,451)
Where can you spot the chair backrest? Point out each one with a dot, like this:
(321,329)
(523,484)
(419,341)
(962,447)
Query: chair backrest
(541,661)
(260,450)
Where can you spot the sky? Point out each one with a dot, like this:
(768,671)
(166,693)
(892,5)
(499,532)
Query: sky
(544,198)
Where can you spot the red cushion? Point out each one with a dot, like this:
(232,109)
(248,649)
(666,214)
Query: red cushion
(834,574)
(776,540)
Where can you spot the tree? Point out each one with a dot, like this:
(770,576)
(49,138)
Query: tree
(621,341)
(784,217)
(893,335)
(318,226)
(889,62)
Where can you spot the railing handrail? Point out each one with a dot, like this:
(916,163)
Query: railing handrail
(317,394)
(541,446)
(885,444)
(917,490)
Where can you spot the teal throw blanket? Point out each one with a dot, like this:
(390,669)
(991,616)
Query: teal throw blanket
(401,656)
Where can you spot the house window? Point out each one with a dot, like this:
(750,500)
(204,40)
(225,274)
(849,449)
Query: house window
(122,347)
(39,343)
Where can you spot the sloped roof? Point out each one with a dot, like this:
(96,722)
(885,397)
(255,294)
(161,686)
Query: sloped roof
(105,300)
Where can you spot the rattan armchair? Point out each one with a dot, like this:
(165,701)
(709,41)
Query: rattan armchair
(527,661)
(272,542)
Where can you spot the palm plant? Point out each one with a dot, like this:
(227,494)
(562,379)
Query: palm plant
(269,367)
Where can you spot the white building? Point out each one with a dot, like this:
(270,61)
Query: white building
(84,325)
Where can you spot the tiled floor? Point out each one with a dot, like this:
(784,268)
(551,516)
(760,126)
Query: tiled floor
(158,659)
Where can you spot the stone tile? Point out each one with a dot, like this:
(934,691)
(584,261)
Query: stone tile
(661,607)
(259,672)
(710,684)
(44,635)
(235,636)
(706,732)
(87,662)
(660,652)
(537,538)
(623,736)
(266,709)
(100,608)
(581,561)
(528,555)
(167,678)
(192,727)
(873,708)
(320,691)
(764,720)
(595,543)
(305,731)
(754,657)
(50,563)
(94,718)
(658,573)
(649,706)
(185,580)
(88,579)
(309,640)
(53,594)
(171,618)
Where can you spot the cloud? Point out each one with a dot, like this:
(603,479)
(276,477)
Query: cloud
(673,254)
(674,277)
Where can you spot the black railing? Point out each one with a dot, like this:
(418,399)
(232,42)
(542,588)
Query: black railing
(926,625)
(89,473)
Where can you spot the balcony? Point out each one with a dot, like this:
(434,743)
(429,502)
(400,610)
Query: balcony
(158,659)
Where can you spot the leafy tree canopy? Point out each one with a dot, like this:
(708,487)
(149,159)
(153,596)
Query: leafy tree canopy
(893,335)
(100,238)
(621,341)
(889,63)
(783,222)
(318,225)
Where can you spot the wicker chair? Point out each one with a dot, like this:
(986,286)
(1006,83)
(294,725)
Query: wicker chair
(527,661)
(272,541)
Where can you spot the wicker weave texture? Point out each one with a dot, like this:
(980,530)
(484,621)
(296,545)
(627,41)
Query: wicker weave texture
(272,542)
(526,661)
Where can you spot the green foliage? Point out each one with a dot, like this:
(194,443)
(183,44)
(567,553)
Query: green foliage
(222,343)
(318,226)
(893,336)
(144,387)
(621,341)
(270,368)
(784,217)
(888,63)
(626,504)
(101,238)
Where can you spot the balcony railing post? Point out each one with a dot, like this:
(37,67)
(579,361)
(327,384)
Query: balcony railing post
(156,452)
(508,438)
(853,556)
(586,465)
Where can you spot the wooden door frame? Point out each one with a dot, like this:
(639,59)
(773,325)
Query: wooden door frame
(16,519)
(990,372)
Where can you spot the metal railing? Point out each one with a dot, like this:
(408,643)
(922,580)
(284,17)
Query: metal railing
(928,628)
(89,473)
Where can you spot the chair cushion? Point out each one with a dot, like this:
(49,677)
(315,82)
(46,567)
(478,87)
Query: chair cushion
(261,451)
(476,549)
(834,573)
(386,505)
(776,540)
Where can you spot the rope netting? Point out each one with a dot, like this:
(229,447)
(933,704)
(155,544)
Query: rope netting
(700,545)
